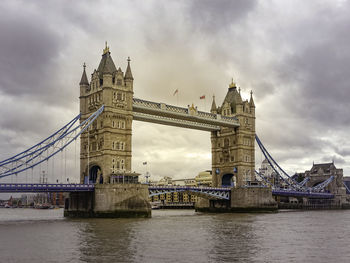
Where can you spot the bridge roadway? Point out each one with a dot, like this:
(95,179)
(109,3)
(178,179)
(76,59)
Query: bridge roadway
(219,193)
(37,188)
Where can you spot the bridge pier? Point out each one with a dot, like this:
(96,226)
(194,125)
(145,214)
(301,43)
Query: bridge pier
(110,201)
(243,199)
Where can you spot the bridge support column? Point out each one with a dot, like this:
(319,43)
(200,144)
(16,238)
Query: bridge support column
(243,199)
(110,201)
(252,199)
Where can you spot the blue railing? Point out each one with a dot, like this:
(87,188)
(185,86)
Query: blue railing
(27,188)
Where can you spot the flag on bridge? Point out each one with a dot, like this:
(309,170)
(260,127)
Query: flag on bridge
(144,163)
(202,97)
(175,92)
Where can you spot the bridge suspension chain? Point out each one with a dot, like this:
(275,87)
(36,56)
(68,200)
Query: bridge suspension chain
(266,181)
(289,180)
(34,156)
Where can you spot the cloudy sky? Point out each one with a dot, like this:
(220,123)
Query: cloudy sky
(294,55)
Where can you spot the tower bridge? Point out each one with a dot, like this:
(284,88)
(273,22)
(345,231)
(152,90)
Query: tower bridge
(109,188)
(106,148)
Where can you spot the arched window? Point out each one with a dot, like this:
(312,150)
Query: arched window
(226,142)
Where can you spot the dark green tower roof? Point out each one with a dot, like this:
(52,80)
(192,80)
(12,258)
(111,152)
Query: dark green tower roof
(84,80)
(106,65)
(128,74)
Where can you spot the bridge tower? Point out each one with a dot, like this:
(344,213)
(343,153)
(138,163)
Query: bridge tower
(233,162)
(105,153)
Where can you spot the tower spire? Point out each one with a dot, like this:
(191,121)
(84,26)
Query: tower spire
(106,49)
(232,84)
(84,79)
(128,74)
(213,106)
(251,102)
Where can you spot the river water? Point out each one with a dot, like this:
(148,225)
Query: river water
(28,235)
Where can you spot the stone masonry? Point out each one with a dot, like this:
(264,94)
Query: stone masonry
(233,161)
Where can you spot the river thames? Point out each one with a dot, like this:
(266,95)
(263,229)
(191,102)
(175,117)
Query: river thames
(28,235)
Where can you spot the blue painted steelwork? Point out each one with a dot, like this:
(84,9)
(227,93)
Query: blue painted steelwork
(220,193)
(322,185)
(263,178)
(35,188)
(303,182)
(35,155)
(34,148)
(291,193)
(290,181)
(347,187)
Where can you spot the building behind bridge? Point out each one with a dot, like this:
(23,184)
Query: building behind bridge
(182,199)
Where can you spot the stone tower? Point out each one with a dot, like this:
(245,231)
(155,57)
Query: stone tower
(105,154)
(233,161)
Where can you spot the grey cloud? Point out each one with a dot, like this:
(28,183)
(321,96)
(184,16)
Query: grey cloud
(344,152)
(320,64)
(333,158)
(296,65)
(27,49)
(214,16)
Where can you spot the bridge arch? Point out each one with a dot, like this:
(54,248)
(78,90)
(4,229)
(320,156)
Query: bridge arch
(228,180)
(95,174)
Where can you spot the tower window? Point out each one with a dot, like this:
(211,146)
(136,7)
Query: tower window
(101,82)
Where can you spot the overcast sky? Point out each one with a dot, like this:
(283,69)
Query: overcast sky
(294,55)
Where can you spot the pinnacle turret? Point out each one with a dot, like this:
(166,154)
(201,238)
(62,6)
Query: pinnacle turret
(84,80)
(213,106)
(251,102)
(128,74)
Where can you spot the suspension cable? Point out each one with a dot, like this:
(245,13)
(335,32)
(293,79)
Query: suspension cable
(33,160)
